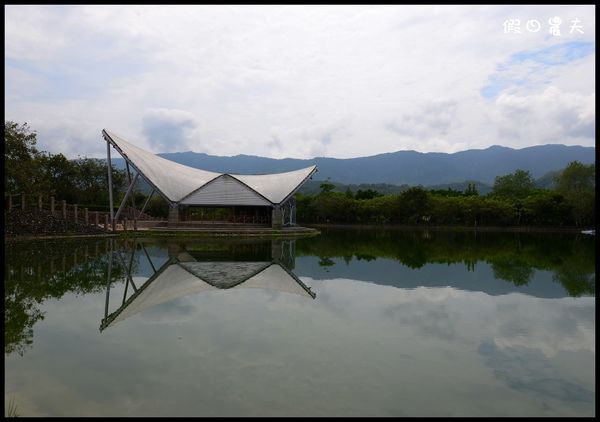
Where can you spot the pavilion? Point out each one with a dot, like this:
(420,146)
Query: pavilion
(264,199)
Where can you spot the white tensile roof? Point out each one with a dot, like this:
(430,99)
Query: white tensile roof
(177,181)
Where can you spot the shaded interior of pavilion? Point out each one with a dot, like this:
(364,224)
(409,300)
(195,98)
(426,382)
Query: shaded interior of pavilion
(245,215)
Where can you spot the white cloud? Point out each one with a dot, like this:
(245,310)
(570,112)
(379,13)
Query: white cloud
(169,130)
(321,80)
(552,116)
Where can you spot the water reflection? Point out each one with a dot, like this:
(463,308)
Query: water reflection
(541,265)
(537,264)
(188,271)
(38,271)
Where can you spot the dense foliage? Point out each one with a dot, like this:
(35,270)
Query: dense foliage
(80,181)
(514,201)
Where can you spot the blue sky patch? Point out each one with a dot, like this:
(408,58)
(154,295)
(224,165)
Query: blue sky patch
(77,77)
(555,55)
(534,61)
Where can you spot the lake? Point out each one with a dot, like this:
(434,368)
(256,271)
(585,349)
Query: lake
(353,322)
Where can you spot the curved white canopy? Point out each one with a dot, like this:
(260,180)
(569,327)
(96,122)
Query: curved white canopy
(177,181)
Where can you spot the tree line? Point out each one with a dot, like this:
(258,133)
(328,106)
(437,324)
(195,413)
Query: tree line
(514,201)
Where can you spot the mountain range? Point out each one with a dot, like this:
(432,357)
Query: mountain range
(402,167)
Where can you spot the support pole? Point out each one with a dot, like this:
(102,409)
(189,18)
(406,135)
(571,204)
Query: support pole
(110,187)
(146,204)
(148,257)
(110,258)
(118,253)
(129,190)
(129,180)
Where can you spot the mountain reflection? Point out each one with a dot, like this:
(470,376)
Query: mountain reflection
(197,267)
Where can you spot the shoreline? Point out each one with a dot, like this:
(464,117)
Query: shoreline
(300,231)
(514,229)
(307,230)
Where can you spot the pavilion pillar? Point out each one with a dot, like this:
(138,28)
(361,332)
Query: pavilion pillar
(276,218)
(173,215)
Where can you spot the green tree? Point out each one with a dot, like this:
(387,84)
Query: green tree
(91,181)
(21,159)
(471,190)
(519,185)
(326,187)
(548,208)
(413,204)
(157,207)
(59,175)
(366,194)
(577,183)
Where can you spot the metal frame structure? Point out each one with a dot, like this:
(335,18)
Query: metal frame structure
(270,190)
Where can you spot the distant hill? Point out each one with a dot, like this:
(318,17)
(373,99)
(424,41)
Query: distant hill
(547,181)
(404,167)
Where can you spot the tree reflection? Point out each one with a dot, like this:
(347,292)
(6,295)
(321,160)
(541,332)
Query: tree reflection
(37,271)
(574,273)
(513,269)
(326,262)
(513,257)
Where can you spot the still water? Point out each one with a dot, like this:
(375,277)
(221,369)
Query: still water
(351,322)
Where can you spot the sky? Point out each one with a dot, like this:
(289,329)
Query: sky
(301,81)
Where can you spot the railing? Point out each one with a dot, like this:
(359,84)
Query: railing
(76,214)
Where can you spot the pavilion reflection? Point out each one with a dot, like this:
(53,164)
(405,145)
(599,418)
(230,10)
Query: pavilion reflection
(193,268)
